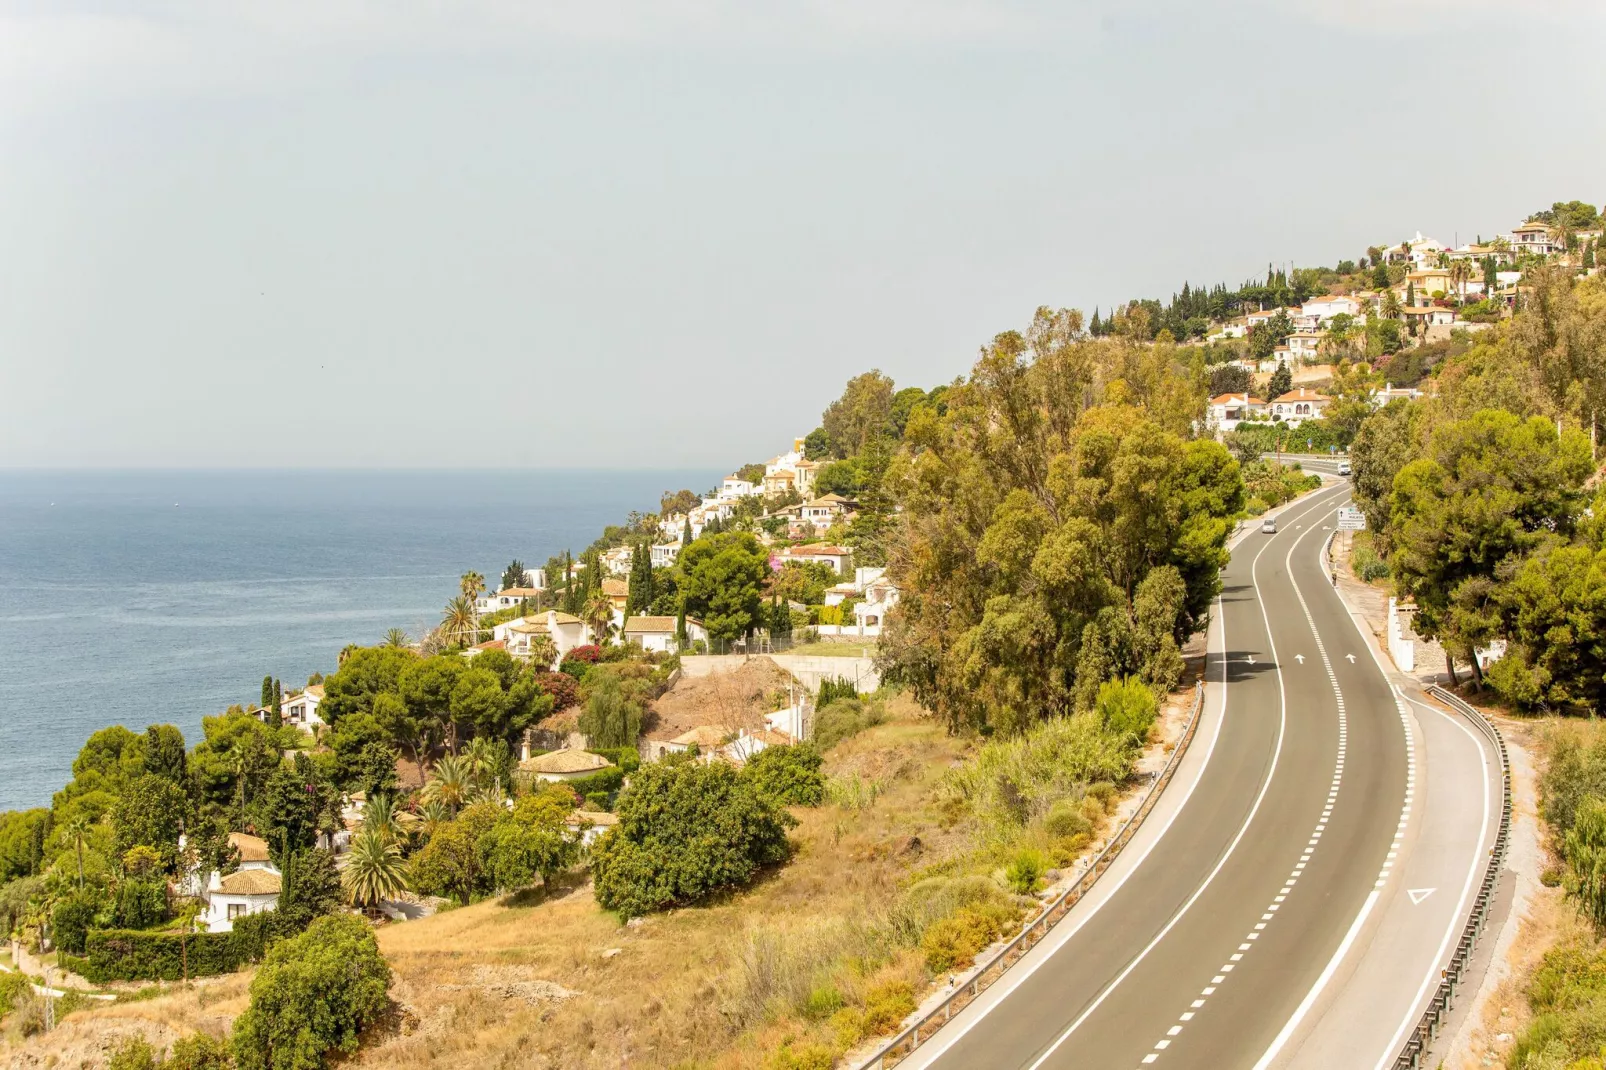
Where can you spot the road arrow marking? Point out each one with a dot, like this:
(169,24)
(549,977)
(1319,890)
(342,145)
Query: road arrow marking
(1300,658)
(1418,894)
(1351,658)
(1250,659)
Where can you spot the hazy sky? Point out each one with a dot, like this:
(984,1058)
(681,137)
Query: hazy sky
(665,232)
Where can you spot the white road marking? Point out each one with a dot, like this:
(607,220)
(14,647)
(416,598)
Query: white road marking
(1332,794)
(1419,894)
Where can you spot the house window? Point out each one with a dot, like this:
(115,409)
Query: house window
(237,910)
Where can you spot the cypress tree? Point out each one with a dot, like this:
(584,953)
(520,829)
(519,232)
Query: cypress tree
(267,692)
(1410,294)
(1095,328)
(680,630)
(276,718)
(685,533)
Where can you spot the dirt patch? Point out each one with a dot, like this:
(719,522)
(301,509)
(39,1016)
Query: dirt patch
(730,701)
(513,982)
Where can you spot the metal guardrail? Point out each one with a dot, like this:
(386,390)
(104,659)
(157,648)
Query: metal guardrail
(1427,1027)
(912,1036)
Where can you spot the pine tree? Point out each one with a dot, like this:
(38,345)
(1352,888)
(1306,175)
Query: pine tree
(1282,381)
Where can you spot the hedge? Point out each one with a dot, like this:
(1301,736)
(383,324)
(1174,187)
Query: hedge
(628,759)
(133,955)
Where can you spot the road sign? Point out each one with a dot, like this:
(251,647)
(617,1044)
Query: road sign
(1351,520)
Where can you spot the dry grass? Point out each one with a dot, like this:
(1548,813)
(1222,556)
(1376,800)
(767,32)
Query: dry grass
(86,1038)
(715,986)
(552,981)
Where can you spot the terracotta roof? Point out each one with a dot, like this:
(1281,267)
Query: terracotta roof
(490,644)
(814,548)
(565,761)
(518,592)
(1303,394)
(1235,399)
(315,690)
(705,736)
(773,737)
(251,848)
(600,818)
(528,626)
(250,882)
(649,624)
(616,588)
(566,618)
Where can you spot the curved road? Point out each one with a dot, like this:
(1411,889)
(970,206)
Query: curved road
(1258,910)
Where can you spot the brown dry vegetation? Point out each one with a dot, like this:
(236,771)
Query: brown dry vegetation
(550,980)
(727,700)
(713,986)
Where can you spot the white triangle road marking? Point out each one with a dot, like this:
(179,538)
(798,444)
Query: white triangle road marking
(1419,894)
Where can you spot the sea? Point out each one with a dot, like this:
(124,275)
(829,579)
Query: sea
(141,597)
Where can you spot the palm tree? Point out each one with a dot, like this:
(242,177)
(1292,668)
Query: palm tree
(76,832)
(347,651)
(459,623)
(1391,305)
(1460,272)
(598,613)
(1561,229)
(374,869)
(543,651)
(484,757)
(472,585)
(397,637)
(432,815)
(380,815)
(450,783)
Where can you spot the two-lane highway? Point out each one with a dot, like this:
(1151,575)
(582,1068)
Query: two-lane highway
(1225,942)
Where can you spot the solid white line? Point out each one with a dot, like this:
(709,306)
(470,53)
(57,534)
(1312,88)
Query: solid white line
(1282,723)
(1457,919)
(934,1049)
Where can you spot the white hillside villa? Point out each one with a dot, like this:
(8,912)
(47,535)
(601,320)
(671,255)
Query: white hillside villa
(565,630)
(250,889)
(1227,411)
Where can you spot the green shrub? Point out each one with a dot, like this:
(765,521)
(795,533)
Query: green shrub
(198,1051)
(1025,871)
(133,1053)
(835,688)
(141,903)
(72,919)
(787,776)
(628,759)
(603,782)
(685,830)
(1127,708)
(848,1024)
(954,942)
(314,994)
(822,1003)
(804,1057)
(135,955)
(1104,792)
(842,719)
(1014,780)
(886,1006)
(1065,819)
(1255,506)
(14,992)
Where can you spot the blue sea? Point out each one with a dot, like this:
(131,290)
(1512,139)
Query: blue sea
(136,597)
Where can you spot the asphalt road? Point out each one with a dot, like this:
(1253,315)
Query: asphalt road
(1230,938)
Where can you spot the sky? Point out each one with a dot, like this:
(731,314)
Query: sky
(664,233)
